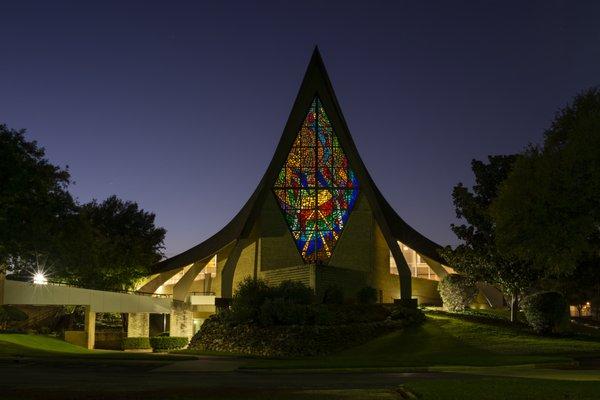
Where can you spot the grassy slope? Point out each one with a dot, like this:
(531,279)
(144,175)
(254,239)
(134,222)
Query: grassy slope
(21,345)
(444,340)
(32,345)
(503,388)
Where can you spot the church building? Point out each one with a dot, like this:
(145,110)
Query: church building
(316,216)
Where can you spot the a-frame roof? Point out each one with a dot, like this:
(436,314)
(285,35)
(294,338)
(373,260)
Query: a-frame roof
(316,82)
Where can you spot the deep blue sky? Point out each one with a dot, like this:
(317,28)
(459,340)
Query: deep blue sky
(179,105)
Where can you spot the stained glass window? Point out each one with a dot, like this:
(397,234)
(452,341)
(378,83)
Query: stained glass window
(316,188)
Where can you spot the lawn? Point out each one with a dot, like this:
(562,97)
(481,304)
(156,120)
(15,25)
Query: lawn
(502,388)
(23,345)
(447,340)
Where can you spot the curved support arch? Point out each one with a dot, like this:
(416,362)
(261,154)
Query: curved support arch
(153,285)
(182,287)
(229,269)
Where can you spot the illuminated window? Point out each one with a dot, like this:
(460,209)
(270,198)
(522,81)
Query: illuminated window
(316,188)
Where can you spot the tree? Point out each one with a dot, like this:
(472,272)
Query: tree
(34,202)
(477,256)
(109,245)
(548,209)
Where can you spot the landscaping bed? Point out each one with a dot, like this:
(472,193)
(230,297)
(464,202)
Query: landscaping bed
(287,340)
(289,321)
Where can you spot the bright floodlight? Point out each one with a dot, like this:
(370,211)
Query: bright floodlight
(39,278)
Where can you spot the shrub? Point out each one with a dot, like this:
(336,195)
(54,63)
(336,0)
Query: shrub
(44,330)
(251,293)
(367,295)
(135,343)
(294,292)
(333,295)
(412,316)
(546,312)
(10,314)
(344,314)
(248,298)
(256,301)
(165,343)
(457,292)
(279,312)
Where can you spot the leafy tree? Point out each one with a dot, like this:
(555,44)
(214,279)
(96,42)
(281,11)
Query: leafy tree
(109,245)
(10,314)
(34,202)
(548,210)
(477,256)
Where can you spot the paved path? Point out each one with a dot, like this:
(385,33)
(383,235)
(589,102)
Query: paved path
(203,364)
(38,374)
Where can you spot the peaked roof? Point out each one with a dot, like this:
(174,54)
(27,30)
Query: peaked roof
(316,82)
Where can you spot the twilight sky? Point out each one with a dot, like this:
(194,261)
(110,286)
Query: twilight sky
(179,105)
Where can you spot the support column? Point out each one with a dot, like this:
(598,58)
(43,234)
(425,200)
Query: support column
(182,323)
(229,269)
(138,325)
(90,327)
(2,281)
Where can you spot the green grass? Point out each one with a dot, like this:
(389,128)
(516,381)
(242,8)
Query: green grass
(446,340)
(503,388)
(23,345)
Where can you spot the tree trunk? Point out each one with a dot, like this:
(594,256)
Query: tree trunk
(514,302)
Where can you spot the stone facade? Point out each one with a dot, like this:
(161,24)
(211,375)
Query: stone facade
(138,325)
(181,323)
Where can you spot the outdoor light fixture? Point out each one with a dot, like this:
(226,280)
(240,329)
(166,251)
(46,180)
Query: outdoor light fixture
(39,278)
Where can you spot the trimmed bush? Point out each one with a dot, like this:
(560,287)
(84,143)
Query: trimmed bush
(251,293)
(367,295)
(135,343)
(413,316)
(344,314)
(248,298)
(280,312)
(457,292)
(294,292)
(333,295)
(546,312)
(166,343)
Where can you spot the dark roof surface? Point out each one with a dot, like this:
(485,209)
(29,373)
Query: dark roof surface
(316,81)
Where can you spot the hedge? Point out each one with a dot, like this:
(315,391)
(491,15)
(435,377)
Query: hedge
(166,343)
(367,295)
(547,312)
(135,343)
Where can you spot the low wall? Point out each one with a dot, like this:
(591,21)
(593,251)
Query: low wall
(109,340)
(426,291)
(78,338)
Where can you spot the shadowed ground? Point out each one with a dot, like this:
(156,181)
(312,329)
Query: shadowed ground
(446,358)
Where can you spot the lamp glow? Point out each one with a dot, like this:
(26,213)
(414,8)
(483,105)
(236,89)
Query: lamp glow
(39,278)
